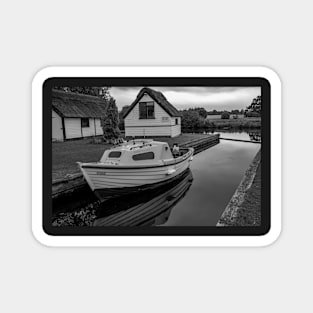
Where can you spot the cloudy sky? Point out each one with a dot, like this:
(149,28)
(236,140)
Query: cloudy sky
(218,98)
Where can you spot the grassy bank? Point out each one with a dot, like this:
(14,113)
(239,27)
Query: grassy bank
(244,209)
(240,123)
(249,212)
(66,154)
(235,124)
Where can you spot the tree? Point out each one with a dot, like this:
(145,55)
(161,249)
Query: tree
(190,119)
(225,115)
(214,112)
(254,109)
(110,121)
(202,112)
(252,114)
(235,111)
(102,92)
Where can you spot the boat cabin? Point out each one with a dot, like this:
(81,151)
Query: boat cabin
(138,152)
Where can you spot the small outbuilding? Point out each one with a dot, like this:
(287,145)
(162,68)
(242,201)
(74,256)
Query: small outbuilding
(151,114)
(76,115)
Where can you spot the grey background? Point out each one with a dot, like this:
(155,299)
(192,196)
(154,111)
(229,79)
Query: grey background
(35,34)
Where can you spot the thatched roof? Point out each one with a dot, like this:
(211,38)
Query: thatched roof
(159,98)
(69,104)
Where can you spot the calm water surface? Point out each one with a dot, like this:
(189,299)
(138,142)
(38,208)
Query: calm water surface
(217,172)
(250,136)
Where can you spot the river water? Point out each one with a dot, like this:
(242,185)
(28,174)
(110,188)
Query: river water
(199,198)
(217,173)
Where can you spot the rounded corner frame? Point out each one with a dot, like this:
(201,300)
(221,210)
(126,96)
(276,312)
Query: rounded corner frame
(157,241)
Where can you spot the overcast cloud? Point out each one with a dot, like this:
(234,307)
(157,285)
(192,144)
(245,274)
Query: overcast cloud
(218,98)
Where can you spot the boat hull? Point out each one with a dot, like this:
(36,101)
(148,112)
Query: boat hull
(111,181)
(108,193)
(153,209)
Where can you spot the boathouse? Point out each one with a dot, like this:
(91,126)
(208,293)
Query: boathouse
(151,114)
(76,115)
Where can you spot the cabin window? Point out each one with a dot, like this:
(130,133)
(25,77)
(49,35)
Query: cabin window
(85,122)
(143,156)
(146,110)
(176,121)
(115,154)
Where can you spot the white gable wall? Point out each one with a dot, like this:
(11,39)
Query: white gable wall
(99,130)
(132,119)
(57,130)
(161,125)
(175,129)
(89,131)
(94,129)
(72,128)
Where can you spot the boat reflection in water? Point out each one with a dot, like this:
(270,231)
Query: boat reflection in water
(147,209)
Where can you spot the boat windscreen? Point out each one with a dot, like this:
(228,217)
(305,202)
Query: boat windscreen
(115,154)
(143,156)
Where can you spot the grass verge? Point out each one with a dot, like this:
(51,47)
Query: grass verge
(244,209)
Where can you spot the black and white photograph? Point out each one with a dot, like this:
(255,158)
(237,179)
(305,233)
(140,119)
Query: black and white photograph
(156,156)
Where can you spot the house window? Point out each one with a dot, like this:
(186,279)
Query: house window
(85,122)
(146,110)
(143,156)
(176,121)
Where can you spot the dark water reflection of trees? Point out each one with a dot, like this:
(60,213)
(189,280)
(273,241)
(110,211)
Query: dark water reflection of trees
(254,135)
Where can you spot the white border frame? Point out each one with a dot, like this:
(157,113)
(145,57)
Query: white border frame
(156,241)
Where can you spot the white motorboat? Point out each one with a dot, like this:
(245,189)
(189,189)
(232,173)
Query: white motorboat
(134,166)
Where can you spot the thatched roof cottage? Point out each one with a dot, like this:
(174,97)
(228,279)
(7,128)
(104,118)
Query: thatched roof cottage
(76,115)
(151,114)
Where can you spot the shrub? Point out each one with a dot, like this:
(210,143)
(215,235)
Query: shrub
(225,116)
(252,114)
(190,119)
